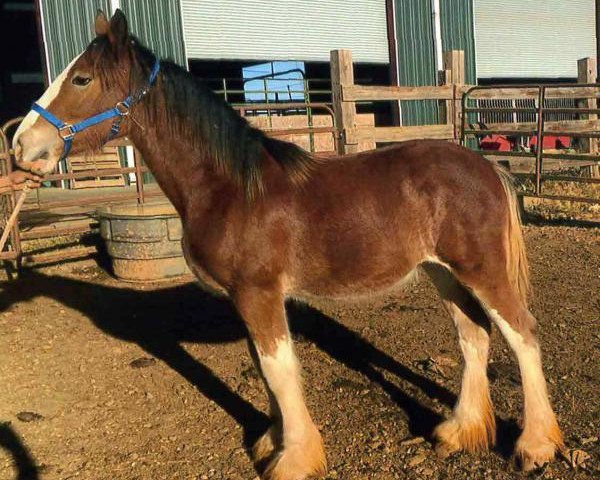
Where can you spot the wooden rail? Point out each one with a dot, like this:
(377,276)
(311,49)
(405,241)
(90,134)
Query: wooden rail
(363,93)
(509,93)
(357,93)
(564,127)
(399,134)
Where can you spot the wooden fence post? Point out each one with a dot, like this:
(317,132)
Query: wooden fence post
(586,73)
(454,62)
(342,74)
(446,108)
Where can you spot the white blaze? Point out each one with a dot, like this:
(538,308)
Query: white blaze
(44,100)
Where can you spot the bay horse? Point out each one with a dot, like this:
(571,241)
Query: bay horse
(264,221)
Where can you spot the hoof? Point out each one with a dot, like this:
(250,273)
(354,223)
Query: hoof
(534,451)
(302,461)
(453,436)
(530,457)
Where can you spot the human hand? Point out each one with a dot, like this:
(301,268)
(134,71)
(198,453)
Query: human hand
(19,178)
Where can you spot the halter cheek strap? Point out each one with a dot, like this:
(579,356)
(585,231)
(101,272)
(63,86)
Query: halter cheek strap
(119,112)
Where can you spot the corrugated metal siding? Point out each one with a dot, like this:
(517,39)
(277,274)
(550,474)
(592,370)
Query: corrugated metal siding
(416,57)
(69,28)
(158,26)
(416,49)
(533,38)
(458,33)
(285,29)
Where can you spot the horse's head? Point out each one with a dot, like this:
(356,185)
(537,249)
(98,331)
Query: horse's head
(93,82)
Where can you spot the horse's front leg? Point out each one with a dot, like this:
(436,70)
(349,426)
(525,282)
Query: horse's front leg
(292,449)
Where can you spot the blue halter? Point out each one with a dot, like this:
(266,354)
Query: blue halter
(120,111)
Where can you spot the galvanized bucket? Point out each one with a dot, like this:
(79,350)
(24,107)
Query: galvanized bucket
(143,241)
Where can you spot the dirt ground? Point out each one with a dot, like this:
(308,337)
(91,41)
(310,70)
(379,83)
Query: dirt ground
(106,380)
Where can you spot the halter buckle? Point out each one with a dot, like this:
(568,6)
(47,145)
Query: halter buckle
(66,132)
(123,108)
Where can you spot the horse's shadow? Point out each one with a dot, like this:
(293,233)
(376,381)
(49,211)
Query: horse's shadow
(159,320)
(22,458)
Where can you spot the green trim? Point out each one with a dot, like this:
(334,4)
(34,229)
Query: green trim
(416,58)
(158,25)
(69,27)
(458,32)
(416,49)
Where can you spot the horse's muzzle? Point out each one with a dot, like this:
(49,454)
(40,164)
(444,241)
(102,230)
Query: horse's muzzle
(35,151)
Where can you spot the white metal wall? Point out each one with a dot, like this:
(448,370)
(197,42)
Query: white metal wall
(285,29)
(533,38)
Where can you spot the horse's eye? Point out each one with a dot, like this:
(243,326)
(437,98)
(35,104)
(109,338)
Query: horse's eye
(81,81)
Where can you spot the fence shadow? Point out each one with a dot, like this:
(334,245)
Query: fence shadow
(538,220)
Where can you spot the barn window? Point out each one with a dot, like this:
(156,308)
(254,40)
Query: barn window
(281,81)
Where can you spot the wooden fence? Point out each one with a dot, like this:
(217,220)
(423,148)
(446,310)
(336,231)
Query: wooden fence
(458,101)
(450,94)
(346,93)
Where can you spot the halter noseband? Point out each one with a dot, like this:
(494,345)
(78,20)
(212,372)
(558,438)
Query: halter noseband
(120,111)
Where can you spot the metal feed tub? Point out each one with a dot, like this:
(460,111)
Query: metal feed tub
(143,241)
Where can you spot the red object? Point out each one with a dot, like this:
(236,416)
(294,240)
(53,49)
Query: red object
(552,142)
(500,143)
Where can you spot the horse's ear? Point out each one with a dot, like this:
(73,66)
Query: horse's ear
(118,30)
(101,23)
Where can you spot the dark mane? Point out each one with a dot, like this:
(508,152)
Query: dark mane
(215,129)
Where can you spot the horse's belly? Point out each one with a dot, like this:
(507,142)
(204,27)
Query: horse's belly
(358,286)
(359,262)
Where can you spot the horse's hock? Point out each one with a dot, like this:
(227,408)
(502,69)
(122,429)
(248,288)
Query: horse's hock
(143,241)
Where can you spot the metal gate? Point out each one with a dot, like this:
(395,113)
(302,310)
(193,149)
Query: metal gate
(538,104)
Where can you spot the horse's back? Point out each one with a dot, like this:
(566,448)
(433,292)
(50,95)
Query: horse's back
(422,174)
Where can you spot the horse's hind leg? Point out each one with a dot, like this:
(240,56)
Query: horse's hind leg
(472,425)
(504,305)
(299,453)
(541,435)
